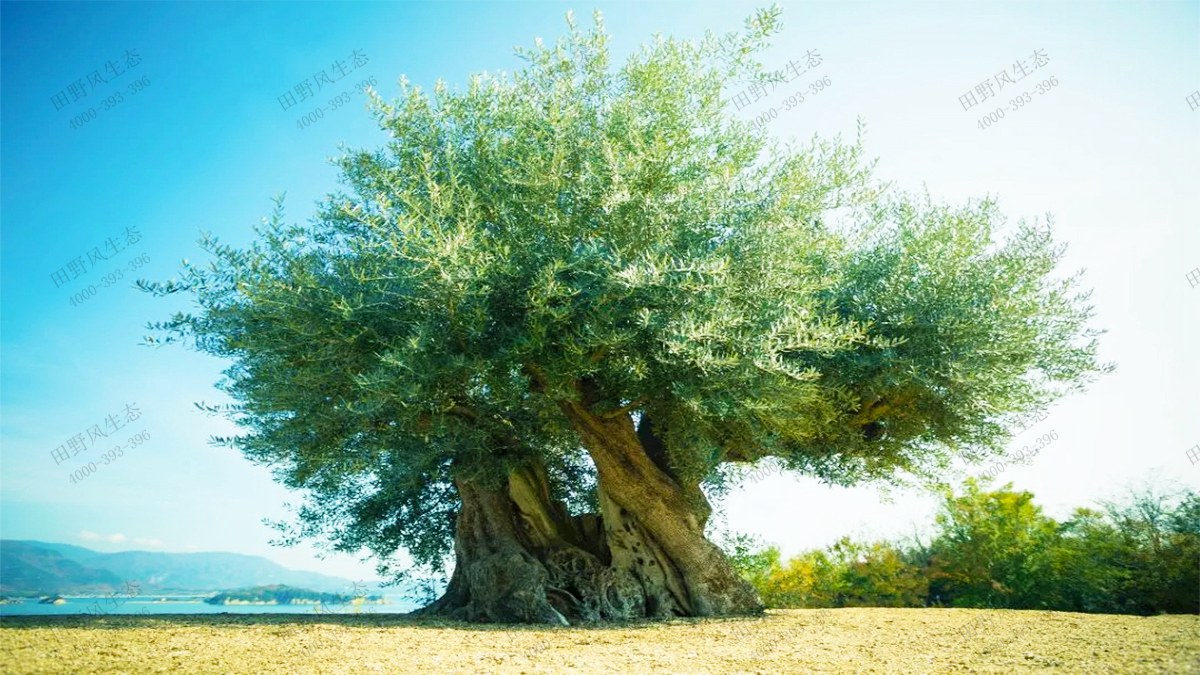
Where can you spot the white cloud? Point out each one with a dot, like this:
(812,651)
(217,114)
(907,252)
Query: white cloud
(119,538)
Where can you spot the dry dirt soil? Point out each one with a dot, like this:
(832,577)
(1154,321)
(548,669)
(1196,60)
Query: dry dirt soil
(858,640)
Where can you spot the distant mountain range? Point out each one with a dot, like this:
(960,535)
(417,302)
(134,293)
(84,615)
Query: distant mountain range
(34,568)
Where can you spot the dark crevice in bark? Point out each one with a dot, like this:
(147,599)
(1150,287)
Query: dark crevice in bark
(655,449)
(650,436)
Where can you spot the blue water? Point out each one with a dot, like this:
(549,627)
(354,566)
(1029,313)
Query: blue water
(138,606)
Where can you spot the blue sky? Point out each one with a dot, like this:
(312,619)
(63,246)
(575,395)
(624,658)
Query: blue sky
(1112,151)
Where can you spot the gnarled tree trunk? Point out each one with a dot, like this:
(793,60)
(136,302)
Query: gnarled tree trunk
(522,558)
(671,515)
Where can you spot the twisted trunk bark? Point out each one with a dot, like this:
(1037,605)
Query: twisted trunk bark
(520,557)
(668,515)
(496,577)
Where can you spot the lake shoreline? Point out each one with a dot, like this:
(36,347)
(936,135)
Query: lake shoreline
(195,605)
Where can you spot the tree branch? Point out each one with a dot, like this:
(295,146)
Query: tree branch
(879,407)
(538,379)
(633,405)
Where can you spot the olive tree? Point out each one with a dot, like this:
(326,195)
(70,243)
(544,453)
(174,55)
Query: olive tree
(538,325)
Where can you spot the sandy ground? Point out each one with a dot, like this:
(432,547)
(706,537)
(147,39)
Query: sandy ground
(860,640)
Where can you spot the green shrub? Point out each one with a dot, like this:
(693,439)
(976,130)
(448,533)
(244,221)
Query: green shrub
(997,549)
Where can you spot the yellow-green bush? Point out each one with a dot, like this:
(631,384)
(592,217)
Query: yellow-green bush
(996,548)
